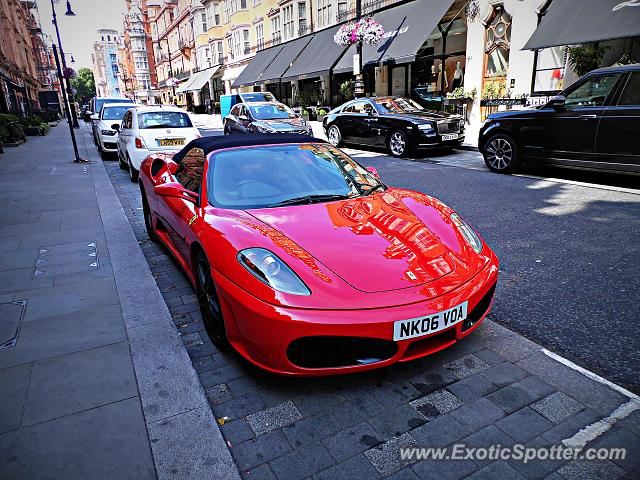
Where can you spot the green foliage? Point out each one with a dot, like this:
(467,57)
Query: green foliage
(460,93)
(305,112)
(10,128)
(306,98)
(43,128)
(84,84)
(347,89)
(322,112)
(585,58)
(494,89)
(7,118)
(31,121)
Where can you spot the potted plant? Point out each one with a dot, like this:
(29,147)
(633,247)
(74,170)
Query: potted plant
(305,114)
(322,112)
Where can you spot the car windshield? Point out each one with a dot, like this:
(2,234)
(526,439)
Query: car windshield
(164,120)
(276,175)
(271,111)
(100,102)
(397,105)
(258,97)
(114,113)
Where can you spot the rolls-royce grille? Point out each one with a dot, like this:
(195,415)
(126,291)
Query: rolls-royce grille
(452,126)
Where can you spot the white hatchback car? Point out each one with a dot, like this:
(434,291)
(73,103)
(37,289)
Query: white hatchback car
(152,129)
(108,124)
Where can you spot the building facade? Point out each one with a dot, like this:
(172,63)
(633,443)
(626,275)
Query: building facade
(138,63)
(106,64)
(24,58)
(174,48)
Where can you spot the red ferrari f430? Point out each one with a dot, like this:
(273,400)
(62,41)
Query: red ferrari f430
(306,263)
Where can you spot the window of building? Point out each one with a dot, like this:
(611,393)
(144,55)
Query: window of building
(260,36)
(342,10)
(287,22)
(205,27)
(219,53)
(243,4)
(302,18)
(216,14)
(256,2)
(324,13)
(548,75)
(275,30)
(247,42)
(496,49)
(230,47)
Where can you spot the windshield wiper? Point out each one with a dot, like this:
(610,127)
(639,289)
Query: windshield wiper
(307,199)
(161,126)
(374,188)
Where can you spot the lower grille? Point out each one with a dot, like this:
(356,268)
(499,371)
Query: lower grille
(480,309)
(332,352)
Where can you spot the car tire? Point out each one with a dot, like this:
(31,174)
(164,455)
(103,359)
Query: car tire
(148,220)
(501,154)
(209,303)
(133,173)
(122,165)
(334,135)
(398,144)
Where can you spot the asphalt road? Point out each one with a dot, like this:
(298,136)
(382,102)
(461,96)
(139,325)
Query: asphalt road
(569,246)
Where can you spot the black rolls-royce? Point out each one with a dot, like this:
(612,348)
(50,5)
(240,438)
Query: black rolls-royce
(593,124)
(398,123)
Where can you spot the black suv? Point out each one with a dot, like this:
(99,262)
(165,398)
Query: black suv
(593,124)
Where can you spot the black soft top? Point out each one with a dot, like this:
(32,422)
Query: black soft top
(213,143)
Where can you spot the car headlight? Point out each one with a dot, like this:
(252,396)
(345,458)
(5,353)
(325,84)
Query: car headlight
(425,127)
(109,132)
(264,128)
(467,232)
(269,269)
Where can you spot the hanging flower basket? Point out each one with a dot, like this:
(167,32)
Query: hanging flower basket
(366,30)
(69,73)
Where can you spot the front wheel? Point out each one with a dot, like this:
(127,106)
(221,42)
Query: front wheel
(334,136)
(398,144)
(209,303)
(501,154)
(122,164)
(148,220)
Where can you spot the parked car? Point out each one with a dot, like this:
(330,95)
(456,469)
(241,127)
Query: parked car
(288,244)
(264,117)
(151,129)
(593,124)
(398,123)
(228,101)
(95,105)
(108,125)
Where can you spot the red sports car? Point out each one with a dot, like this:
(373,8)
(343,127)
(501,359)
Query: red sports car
(306,263)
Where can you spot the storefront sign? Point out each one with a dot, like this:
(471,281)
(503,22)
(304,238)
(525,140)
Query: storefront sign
(509,102)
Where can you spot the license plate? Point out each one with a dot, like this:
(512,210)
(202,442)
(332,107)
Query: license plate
(450,136)
(170,142)
(420,326)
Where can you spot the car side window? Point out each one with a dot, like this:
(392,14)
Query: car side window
(359,107)
(630,96)
(191,169)
(593,92)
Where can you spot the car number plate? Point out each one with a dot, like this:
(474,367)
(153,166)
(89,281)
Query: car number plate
(420,326)
(450,136)
(171,142)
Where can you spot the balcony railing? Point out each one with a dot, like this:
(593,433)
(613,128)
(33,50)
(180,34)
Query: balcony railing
(368,6)
(276,39)
(303,29)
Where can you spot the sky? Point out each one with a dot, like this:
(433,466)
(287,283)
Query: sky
(79,32)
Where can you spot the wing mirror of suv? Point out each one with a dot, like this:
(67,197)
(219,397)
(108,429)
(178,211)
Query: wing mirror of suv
(557,102)
(115,127)
(94,116)
(175,190)
(374,172)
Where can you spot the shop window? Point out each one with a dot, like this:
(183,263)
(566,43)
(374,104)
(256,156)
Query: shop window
(497,45)
(548,75)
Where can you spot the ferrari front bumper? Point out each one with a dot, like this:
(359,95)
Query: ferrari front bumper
(294,341)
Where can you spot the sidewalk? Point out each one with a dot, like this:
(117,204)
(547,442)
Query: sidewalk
(95,380)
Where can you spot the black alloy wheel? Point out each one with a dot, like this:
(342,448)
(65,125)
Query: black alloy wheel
(209,303)
(133,173)
(501,154)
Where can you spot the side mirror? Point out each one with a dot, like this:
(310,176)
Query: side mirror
(374,172)
(94,116)
(115,127)
(557,102)
(175,190)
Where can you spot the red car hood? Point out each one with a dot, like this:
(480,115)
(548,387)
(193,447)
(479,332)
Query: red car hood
(375,243)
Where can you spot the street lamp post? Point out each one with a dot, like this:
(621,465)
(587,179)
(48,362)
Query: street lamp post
(66,107)
(68,13)
(358,90)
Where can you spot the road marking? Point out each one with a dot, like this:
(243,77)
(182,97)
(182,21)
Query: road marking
(594,430)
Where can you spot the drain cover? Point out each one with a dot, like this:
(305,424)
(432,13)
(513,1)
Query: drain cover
(10,320)
(66,258)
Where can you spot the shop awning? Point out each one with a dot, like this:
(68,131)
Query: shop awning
(318,57)
(281,63)
(233,73)
(406,28)
(570,22)
(198,80)
(257,65)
